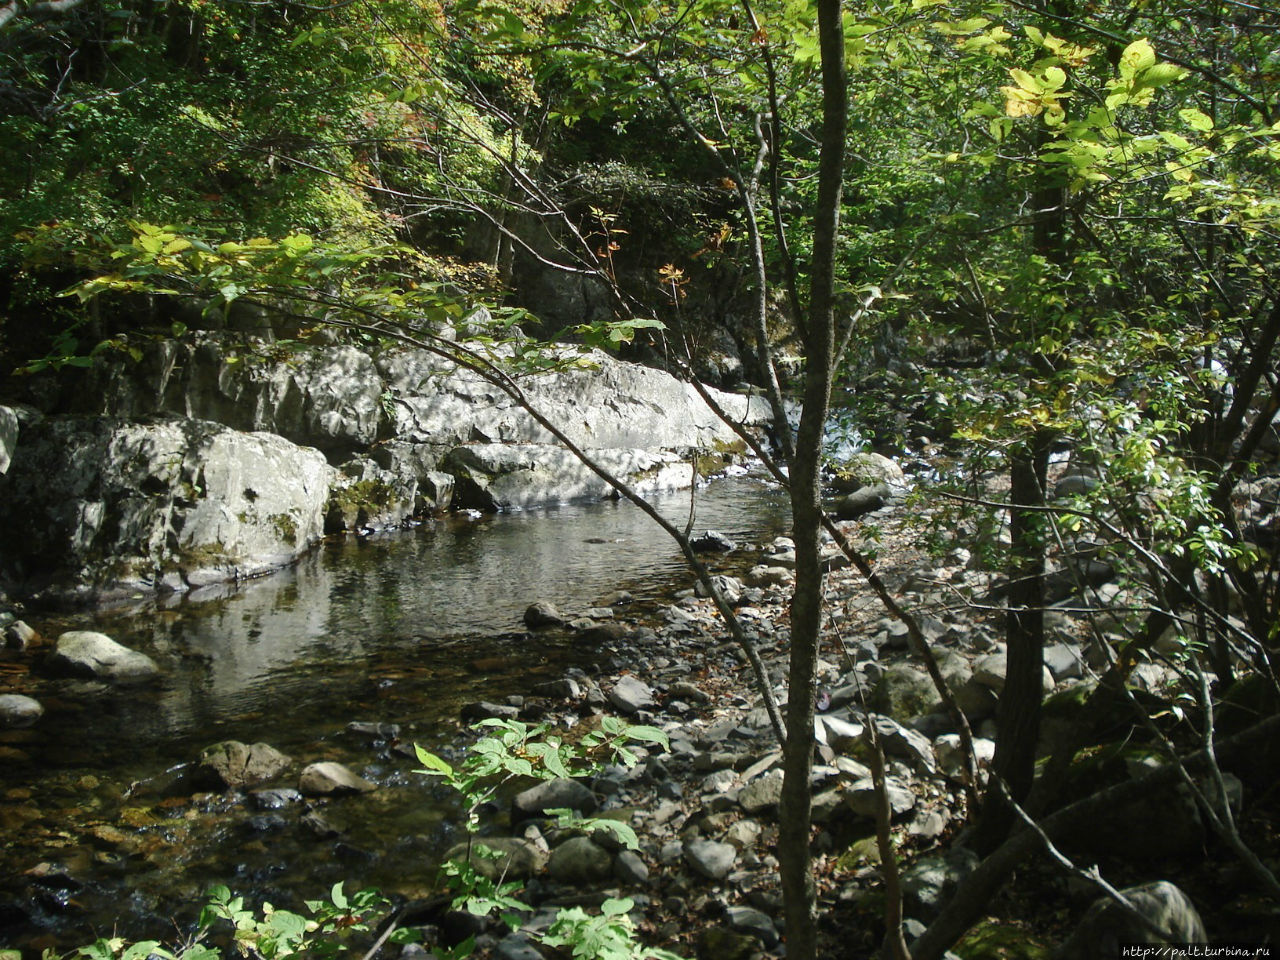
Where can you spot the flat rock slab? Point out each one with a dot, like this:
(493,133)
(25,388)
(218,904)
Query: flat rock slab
(328,778)
(631,695)
(85,653)
(236,765)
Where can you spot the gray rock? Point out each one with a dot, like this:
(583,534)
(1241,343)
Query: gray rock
(543,613)
(990,671)
(710,858)
(514,858)
(509,477)
(19,635)
(8,437)
(608,404)
(766,576)
(755,922)
(364,496)
(907,744)
(743,834)
(762,793)
(327,778)
(484,710)
(235,765)
(580,860)
(108,507)
(929,882)
(951,756)
(1075,485)
(867,470)
(684,690)
(372,731)
(566,688)
(712,541)
(904,691)
(275,798)
(18,711)
(860,797)
(863,501)
(630,869)
(976,700)
(1064,660)
(730,588)
(563,793)
(631,695)
(1105,926)
(515,946)
(85,653)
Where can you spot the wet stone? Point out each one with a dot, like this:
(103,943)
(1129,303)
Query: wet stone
(18,711)
(484,710)
(323,779)
(373,731)
(275,798)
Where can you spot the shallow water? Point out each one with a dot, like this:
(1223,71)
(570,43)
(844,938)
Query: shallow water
(400,627)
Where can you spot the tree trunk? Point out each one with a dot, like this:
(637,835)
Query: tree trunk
(798,889)
(1018,721)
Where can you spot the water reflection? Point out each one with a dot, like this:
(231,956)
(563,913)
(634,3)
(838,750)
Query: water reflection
(293,637)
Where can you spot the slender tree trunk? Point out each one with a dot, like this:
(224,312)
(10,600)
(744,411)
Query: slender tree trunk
(806,607)
(1018,722)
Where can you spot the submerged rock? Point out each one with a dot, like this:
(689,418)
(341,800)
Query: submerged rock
(86,653)
(235,765)
(17,711)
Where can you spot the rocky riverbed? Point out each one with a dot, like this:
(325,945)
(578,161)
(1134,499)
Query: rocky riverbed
(705,878)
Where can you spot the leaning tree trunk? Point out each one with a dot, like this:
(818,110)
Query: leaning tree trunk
(806,607)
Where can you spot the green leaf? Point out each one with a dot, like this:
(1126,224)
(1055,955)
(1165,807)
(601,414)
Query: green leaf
(435,766)
(1136,57)
(1195,119)
(338,897)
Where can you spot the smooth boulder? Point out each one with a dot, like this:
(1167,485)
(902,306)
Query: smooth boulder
(18,711)
(328,778)
(101,507)
(86,653)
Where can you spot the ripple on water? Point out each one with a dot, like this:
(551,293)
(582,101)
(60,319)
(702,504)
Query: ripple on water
(402,627)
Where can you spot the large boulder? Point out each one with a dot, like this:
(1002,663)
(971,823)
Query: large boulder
(1170,918)
(99,506)
(85,653)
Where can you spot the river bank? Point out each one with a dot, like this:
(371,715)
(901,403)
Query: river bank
(705,879)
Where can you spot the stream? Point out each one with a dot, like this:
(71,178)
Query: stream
(404,627)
